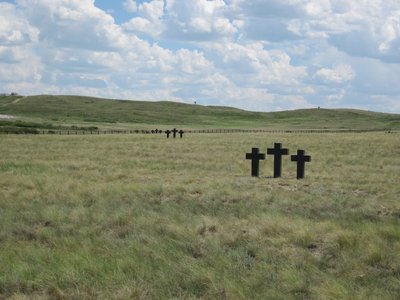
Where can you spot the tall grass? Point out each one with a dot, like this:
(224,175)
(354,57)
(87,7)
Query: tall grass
(143,217)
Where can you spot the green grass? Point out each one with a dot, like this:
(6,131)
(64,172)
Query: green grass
(29,127)
(143,217)
(87,111)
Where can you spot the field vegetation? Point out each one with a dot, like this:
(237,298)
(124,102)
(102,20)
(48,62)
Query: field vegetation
(143,217)
(64,111)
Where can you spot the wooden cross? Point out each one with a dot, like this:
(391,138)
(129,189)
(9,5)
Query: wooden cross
(181,132)
(255,157)
(277,152)
(168,132)
(301,160)
(174,131)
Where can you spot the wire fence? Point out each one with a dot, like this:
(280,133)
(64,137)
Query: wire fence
(195,131)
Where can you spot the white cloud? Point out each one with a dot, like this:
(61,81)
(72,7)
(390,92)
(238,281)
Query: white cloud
(192,61)
(15,30)
(153,10)
(253,65)
(130,5)
(391,34)
(267,9)
(359,27)
(339,74)
(198,20)
(141,25)
(149,19)
(385,103)
(259,55)
(13,54)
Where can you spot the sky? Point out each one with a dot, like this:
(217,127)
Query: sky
(259,55)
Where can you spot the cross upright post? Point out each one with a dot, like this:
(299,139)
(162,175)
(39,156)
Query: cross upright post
(168,132)
(277,152)
(181,132)
(174,131)
(255,157)
(301,159)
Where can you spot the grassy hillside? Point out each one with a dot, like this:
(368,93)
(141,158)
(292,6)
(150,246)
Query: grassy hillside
(73,109)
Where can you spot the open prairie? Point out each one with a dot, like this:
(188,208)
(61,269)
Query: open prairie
(143,217)
(62,112)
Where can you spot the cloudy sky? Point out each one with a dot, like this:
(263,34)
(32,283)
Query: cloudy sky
(262,55)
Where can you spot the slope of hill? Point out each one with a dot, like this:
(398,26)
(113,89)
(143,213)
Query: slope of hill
(88,110)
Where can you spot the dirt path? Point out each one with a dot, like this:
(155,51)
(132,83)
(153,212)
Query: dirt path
(17,100)
(6,117)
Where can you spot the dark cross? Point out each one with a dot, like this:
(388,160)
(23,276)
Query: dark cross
(181,132)
(174,131)
(301,161)
(277,152)
(168,132)
(255,157)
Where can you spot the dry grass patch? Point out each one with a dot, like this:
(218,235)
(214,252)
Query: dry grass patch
(148,218)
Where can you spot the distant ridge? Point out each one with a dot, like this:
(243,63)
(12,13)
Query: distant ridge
(80,109)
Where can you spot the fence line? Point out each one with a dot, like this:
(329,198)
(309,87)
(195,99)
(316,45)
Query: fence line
(199,131)
(290,131)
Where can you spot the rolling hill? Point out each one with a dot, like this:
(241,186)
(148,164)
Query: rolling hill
(104,112)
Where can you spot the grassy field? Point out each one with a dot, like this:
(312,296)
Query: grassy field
(60,111)
(143,217)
